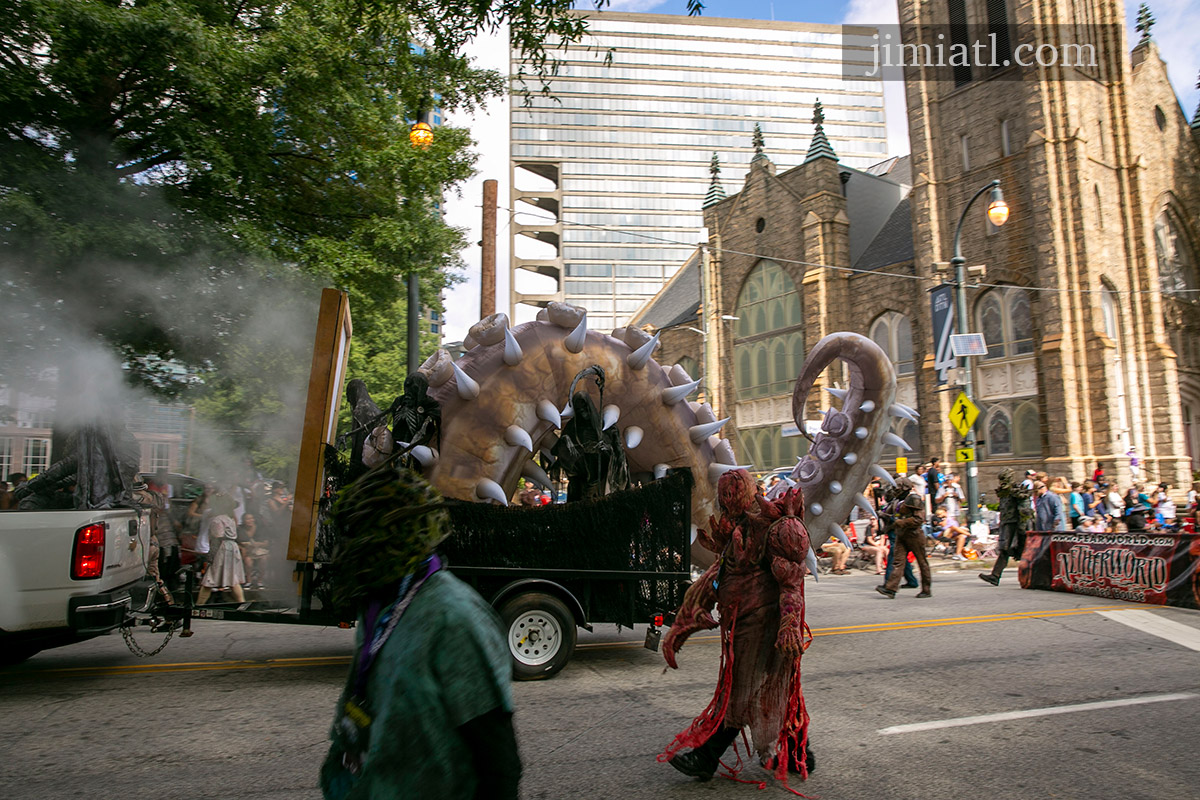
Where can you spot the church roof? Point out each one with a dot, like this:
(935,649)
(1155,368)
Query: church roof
(894,242)
(678,302)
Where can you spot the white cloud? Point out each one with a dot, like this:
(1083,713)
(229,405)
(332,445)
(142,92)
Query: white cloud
(885,12)
(490,130)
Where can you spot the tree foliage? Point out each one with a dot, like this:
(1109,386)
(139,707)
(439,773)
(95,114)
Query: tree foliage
(162,161)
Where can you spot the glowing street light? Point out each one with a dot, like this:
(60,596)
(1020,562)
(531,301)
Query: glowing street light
(421,135)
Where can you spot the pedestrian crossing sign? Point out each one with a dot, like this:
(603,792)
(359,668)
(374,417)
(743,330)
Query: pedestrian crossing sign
(963,414)
(964,454)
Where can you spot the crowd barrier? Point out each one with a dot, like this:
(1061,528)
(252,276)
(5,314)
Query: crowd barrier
(1146,567)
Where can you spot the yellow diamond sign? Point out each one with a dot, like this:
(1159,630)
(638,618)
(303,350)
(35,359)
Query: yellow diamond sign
(963,413)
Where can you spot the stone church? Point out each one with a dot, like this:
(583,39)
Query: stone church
(1088,297)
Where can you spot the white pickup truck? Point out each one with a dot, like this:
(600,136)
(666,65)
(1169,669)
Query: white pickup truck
(66,576)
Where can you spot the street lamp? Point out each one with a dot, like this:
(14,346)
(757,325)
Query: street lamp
(421,136)
(997,213)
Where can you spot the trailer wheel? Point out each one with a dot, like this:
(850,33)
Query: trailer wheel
(540,631)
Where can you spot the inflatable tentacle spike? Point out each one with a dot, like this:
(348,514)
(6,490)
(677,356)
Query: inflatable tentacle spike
(491,399)
(839,462)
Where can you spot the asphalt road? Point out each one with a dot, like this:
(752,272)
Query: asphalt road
(1095,707)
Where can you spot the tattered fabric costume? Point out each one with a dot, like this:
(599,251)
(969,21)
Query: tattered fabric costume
(758,584)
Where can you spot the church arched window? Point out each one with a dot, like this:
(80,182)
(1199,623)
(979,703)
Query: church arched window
(1005,317)
(892,331)
(768,337)
(1176,266)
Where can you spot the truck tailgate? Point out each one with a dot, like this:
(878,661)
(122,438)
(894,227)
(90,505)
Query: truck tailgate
(36,549)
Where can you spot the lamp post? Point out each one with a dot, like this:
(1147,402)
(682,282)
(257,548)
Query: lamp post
(420,136)
(998,214)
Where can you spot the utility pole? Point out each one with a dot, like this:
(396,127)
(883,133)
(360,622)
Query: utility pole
(487,243)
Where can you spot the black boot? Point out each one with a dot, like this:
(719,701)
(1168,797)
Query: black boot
(694,764)
(994,580)
(703,761)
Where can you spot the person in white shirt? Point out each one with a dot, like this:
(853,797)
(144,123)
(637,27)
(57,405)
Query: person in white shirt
(951,498)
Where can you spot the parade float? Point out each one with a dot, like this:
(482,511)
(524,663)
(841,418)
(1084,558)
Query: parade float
(551,400)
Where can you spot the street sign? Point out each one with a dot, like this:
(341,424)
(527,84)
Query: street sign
(789,429)
(963,413)
(964,454)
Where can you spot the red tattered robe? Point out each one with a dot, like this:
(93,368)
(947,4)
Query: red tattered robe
(763,634)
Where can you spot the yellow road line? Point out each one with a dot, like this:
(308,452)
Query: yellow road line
(334,661)
(880,627)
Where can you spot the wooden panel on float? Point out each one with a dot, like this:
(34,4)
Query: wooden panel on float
(330,353)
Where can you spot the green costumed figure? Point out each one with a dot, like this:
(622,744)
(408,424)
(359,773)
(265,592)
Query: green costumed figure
(1016,513)
(427,709)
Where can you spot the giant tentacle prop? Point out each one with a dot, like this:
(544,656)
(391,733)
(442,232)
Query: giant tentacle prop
(841,459)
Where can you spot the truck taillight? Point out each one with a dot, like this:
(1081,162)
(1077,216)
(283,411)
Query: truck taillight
(87,560)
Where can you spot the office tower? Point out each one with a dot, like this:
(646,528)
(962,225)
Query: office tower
(610,171)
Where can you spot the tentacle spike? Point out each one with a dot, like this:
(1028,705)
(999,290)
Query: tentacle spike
(674,394)
(575,339)
(867,406)
(517,436)
(609,416)
(536,474)
(840,535)
(425,456)
(816,509)
(883,475)
(902,411)
(835,487)
(488,489)
(633,436)
(660,471)
(699,433)
(866,505)
(850,458)
(810,560)
(840,394)
(638,358)
(512,349)
(549,413)
(468,389)
(892,440)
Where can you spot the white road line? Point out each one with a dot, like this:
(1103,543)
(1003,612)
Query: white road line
(1149,622)
(1034,712)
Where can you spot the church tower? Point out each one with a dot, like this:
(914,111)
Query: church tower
(1089,302)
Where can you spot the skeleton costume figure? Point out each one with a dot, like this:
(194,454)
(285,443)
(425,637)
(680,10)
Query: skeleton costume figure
(758,584)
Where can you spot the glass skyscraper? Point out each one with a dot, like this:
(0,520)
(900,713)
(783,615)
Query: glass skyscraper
(610,170)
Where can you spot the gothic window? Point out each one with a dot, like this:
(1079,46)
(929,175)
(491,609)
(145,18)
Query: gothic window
(768,338)
(999,433)
(1176,268)
(1027,439)
(892,331)
(1005,317)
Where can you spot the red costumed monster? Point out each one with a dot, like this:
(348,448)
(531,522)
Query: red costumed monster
(758,584)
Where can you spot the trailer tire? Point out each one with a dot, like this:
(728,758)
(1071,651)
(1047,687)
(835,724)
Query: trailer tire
(540,632)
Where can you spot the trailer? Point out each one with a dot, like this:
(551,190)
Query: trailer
(624,558)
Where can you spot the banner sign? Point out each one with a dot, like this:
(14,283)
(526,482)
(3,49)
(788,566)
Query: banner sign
(1146,567)
(941,298)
